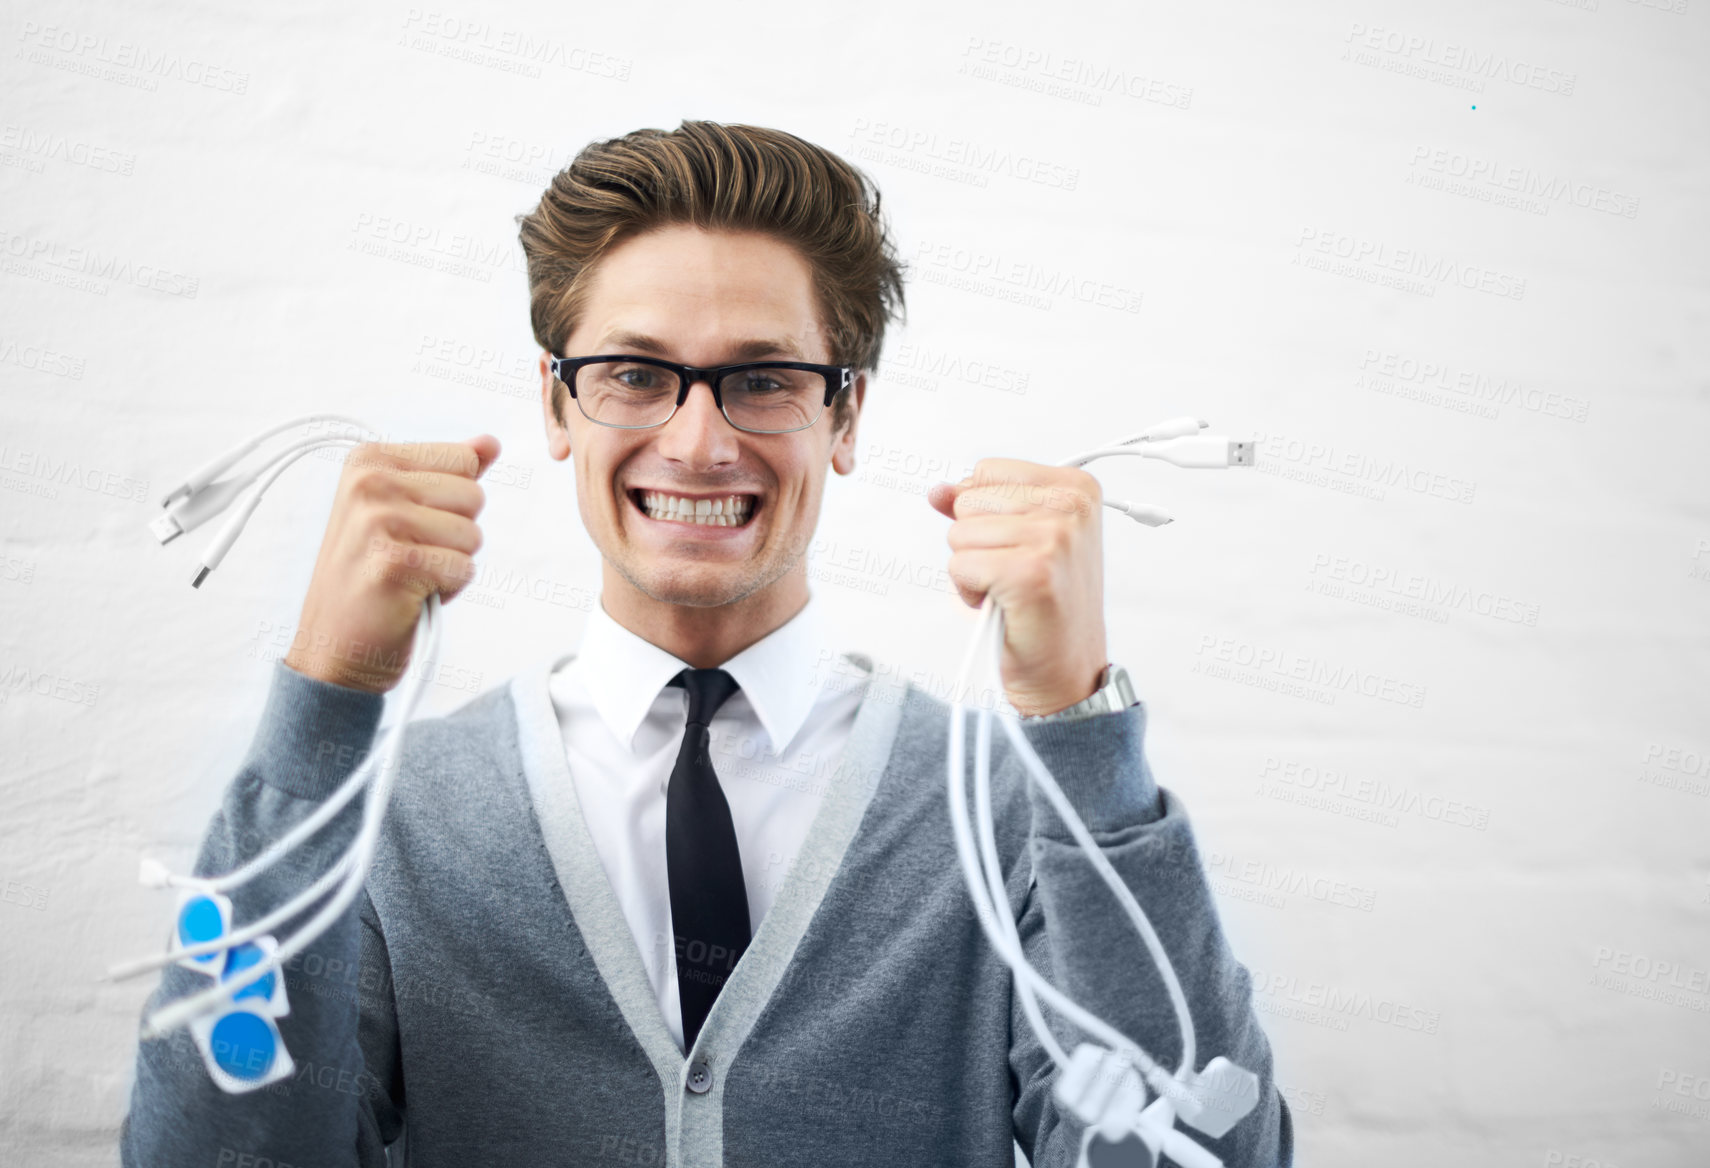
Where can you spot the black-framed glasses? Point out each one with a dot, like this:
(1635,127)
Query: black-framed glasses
(762,397)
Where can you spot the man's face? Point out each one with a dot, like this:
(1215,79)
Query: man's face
(702,299)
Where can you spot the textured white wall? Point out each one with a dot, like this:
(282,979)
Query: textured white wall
(1432,679)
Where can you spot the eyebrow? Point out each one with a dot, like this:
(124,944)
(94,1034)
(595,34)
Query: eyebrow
(748,350)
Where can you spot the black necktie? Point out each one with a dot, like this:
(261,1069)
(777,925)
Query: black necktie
(709,902)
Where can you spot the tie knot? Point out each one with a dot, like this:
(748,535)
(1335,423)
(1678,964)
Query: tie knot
(708,690)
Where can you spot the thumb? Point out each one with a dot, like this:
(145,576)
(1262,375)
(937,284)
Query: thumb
(942,496)
(486,449)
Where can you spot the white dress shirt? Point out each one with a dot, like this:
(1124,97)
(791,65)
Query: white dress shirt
(774,745)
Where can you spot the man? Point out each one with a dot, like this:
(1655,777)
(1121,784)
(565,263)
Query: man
(607,923)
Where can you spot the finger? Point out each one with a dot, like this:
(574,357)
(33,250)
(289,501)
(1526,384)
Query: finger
(994,531)
(423,569)
(942,496)
(447,492)
(999,498)
(458,458)
(486,448)
(413,523)
(973,572)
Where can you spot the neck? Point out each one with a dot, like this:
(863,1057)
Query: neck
(704,636)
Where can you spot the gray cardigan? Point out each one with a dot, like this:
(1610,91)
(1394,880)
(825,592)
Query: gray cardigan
(487,988)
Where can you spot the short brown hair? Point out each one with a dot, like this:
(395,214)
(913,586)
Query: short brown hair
(717,177)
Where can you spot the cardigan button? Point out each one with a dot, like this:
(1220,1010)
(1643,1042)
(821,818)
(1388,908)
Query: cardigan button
(700,1078)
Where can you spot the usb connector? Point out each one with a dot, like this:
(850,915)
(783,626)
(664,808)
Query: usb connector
(1201,452)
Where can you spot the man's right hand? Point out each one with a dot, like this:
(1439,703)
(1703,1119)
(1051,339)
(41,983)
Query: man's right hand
(402,526)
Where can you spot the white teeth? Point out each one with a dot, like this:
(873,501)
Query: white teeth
(730,511)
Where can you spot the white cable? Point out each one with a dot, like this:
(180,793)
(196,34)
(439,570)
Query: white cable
(1176,441)
(1000,898)
(1027,976)
(214,467)
(181,1011)
(1101,864)
(349,872)
(234,525)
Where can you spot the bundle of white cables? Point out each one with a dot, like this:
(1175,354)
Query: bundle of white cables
(1098,1082)
(201,497)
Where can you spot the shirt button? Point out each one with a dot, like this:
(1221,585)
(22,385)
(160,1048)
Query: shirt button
(700,1078)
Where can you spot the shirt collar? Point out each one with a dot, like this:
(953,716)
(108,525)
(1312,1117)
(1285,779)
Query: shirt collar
(779,674)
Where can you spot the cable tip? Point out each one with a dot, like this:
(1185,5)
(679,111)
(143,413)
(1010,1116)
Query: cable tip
(153,873)
(200,576)
(1240,454)
(165,529)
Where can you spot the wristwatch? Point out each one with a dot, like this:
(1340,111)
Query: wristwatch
(1115,692)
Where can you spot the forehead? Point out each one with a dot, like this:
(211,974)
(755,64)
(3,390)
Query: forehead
(701,292)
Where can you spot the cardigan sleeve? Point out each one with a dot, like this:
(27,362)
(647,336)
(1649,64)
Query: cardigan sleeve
(343,1100)
(1076,933)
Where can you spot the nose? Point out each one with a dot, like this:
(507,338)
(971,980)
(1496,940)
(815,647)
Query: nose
(698,434)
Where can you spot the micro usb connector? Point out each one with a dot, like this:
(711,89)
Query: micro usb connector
(192,510)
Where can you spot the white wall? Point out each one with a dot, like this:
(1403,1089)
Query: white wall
(1518,820)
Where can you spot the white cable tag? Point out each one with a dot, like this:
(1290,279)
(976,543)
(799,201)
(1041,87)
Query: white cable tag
(1226,1094)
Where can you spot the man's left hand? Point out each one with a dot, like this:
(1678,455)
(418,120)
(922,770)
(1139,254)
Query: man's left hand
(1032,536)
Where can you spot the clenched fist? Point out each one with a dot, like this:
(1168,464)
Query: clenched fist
(402,527)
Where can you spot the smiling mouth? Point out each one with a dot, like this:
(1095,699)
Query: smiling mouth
(735,510)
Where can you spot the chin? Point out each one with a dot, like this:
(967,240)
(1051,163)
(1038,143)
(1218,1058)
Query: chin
(696,588)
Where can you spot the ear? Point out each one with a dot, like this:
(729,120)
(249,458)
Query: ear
(557,437)
(843,446)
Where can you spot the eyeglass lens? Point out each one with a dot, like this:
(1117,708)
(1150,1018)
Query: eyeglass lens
(631,393)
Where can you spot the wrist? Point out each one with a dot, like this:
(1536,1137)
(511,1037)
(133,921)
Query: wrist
(1114,691)
(1044,704)
(336,670)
